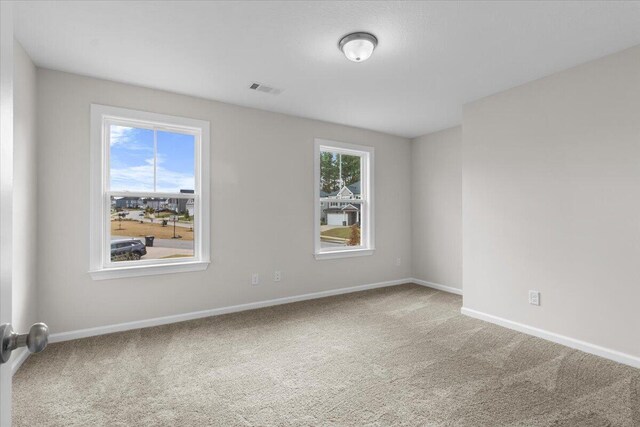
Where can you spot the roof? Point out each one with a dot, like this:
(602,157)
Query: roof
(348,208)
(355,187)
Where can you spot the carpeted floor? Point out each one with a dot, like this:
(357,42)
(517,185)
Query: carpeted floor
(395,356)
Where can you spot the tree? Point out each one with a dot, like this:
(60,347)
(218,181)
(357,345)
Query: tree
(354,239)
(328,172)
(331,166)
(350,169)
(121,215)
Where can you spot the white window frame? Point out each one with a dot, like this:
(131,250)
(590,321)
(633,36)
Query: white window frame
(101,266)
(366,201)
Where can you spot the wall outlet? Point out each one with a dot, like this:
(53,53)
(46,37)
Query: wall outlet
(277,276)
(398,261)
(255,279)
(534,297)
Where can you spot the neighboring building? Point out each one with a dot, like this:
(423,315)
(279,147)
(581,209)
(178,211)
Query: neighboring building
(182,203)
(155,203)
(335,208)
(128,202)
(179,205)
(343,215)
(190,207)
(172,205)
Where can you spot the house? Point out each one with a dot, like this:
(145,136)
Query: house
(473,260)
(157,204)
(190,207)
(182,203)
(337,208)
(179,205)
(128,202)
(345,214)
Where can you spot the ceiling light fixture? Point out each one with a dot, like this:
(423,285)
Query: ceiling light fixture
(358,47)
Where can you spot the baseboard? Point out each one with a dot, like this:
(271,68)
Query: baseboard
(19,357)
(120,327)
(437,286)
(597,350)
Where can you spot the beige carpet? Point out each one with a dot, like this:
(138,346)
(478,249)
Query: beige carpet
(397,356)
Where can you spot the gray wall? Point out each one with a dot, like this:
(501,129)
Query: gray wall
(262,208)
(25,206)
(436,180)
(551,197)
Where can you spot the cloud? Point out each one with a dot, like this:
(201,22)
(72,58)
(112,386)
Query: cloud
(128,138)
(140,178)
(128,177)
(170,181)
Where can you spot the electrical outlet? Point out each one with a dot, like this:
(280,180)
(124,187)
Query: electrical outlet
(255,279)
(277,276)
(398,261)
(534,297)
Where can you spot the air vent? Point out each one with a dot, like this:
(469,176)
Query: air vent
(264,88)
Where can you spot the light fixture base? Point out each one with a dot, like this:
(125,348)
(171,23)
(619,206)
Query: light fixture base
(359,36)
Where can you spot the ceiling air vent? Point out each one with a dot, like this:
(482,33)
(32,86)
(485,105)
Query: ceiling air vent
(264,88)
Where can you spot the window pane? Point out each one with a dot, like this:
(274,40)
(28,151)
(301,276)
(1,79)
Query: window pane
(176,162)
(338,171)
(340,214)
(131,158)
(340,224)
(135,220)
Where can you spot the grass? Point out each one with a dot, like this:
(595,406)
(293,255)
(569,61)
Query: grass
(135,229)
(341,232)
(164,214)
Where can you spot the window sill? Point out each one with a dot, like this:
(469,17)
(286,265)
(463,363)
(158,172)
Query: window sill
(343,254)
(148,270)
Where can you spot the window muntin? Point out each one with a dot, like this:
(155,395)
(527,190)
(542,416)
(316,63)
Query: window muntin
(150,180)
(344,214)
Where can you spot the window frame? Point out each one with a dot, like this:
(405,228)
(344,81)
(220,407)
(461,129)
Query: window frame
(366,201)
(101,266)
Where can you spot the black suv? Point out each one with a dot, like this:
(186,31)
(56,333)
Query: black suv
(130,249)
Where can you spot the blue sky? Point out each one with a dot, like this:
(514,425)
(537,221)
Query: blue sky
(132,161)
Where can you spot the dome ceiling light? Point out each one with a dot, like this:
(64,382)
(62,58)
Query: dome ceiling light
(358,47)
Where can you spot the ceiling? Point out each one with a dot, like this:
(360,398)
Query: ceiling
(432,57)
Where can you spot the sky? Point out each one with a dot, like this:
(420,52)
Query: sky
(132,160)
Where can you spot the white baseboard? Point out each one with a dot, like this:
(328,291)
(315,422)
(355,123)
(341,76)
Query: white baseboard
(614,355)
(108,329)
(19,357)
(437,286)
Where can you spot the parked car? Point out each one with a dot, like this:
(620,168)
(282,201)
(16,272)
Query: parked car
(128,249)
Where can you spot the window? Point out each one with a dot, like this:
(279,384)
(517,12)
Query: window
(149,193)
(343,200)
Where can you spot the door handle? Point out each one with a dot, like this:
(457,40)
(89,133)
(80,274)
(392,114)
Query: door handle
(35,341)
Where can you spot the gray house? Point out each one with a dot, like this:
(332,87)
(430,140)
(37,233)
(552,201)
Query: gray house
(336,208)
(128,202)
(156,203)
(182,203)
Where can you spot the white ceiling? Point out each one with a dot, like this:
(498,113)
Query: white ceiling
(431,59)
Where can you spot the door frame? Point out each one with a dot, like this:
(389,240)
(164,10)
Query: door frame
(6,192)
